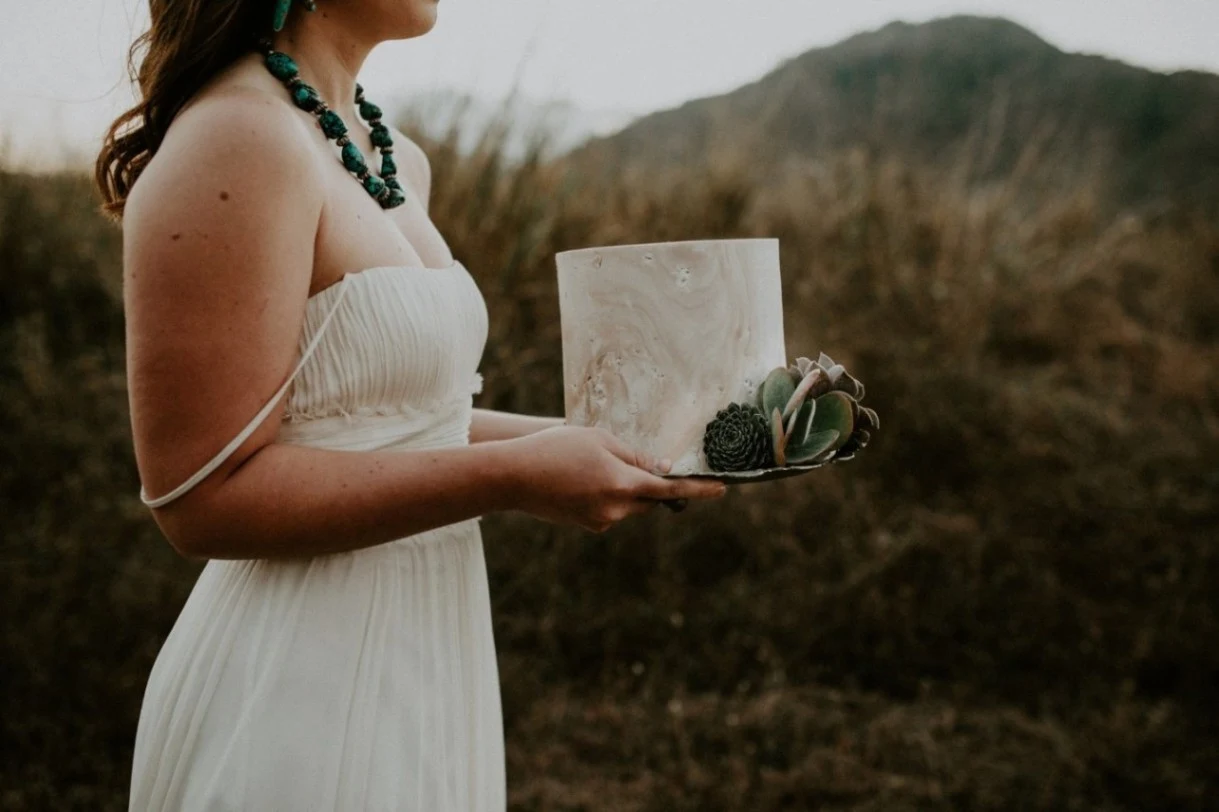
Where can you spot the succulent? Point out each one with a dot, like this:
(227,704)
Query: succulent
(805,440)
(807,413)
(776,391)
(839,379)
(815,412)
(739,439)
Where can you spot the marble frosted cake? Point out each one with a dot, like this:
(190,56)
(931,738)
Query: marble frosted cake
(658,338)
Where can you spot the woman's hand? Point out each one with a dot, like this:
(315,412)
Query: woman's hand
(587,477)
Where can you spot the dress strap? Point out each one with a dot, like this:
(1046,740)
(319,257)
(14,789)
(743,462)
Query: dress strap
(228,450)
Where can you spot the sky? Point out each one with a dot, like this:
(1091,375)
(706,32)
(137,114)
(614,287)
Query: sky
(63,77)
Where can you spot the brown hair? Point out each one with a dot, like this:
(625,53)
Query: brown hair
(187,43)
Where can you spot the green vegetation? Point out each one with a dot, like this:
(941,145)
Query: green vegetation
(1009,602)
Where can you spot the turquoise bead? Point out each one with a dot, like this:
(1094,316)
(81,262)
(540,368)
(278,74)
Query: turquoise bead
(353,159)
(369,111)
(374,185)
(391,181)
(388,166)
(281,14)
(305,98)
(282,66)
(380,136)
(332,125)
(395,198)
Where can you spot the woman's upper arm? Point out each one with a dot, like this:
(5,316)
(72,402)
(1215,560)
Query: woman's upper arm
(218,255)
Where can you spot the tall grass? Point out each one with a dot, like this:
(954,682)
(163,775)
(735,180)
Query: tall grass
(1007,602)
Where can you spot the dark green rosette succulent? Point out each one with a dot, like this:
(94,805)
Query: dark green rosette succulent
(738,439)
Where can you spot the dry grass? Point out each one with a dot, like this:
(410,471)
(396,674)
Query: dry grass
(1008,602)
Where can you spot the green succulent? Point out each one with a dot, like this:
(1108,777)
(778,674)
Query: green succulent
(738,439)
(814,411)
(776,391)
(806,440)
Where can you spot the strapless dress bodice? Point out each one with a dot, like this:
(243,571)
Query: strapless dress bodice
(398,364)
(402,339)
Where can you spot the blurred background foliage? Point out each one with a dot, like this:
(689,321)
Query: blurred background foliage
(1008,601)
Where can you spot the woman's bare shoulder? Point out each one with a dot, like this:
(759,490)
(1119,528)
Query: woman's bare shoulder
(235,190)
(237,131)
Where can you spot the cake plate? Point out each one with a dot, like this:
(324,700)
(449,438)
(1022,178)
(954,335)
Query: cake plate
(759,474)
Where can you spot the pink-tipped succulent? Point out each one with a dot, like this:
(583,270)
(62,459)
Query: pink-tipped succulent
(807,413)
(816,404)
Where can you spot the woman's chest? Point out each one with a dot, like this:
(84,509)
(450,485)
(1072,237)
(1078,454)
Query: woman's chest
(354,232)
(395,338)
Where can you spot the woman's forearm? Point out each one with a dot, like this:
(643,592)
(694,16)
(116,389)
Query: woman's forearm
(292,501)
(490,426)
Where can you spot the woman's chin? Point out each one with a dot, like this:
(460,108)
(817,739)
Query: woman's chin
(426,12)
(423,20)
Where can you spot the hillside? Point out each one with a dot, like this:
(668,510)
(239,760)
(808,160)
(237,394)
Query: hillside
(1010,603)
(976,94)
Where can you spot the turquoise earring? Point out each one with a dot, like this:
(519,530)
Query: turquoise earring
(281,12)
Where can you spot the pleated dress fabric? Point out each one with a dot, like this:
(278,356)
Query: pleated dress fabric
(364,680)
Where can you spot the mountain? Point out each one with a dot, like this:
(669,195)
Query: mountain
(972,92)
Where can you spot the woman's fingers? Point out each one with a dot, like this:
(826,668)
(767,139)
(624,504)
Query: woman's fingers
(672,490)
(631,456)
(650,489)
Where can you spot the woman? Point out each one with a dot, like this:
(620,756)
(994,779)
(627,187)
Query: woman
(336,651)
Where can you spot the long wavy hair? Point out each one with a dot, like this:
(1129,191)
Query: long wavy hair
(187,43)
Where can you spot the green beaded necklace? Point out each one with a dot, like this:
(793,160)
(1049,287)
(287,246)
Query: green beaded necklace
(384,189)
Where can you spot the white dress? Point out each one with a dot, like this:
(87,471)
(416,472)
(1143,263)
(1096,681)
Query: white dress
(358,681)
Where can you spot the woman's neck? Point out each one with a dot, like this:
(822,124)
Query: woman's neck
(329,57)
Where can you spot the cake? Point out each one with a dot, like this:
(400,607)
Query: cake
(659,338)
